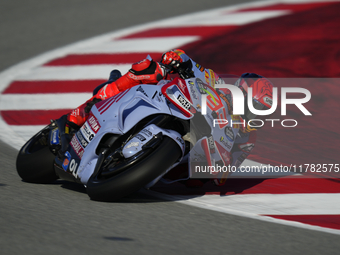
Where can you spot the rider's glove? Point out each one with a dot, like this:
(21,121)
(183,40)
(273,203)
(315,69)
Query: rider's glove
(173,59)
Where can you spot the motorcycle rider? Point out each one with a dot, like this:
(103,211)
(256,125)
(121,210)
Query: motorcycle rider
(143,72)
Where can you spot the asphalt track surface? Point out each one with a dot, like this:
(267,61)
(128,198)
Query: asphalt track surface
(60,218)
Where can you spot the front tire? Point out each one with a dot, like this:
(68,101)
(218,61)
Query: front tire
(35,160)
(137,176)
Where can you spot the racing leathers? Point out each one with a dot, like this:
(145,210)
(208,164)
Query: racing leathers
(145,71)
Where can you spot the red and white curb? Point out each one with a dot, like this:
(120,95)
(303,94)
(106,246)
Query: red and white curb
(53,83)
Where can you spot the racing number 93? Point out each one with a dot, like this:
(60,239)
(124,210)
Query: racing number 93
(215,104)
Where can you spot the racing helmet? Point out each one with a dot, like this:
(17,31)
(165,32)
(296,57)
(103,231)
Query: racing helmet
(262,94)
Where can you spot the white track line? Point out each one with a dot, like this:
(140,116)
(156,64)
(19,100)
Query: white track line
(24,133)
(274,204)
(38,101)
(75,72)
(249,214)
(157,44)
(223,18)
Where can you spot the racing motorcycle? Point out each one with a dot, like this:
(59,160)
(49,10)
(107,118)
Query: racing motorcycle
(130,140)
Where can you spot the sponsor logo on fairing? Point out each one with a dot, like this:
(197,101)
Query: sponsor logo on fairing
(211,144)
(87,132)
(146,132)
(158,95)
(183,102)
(66,160)
(225,99)
(74,168)
(94,124)
(193,90)
(226,143)
(81,139)
(201,87)
(140,89)
(55,137)
(199,67)
(140,137)
(76,146)
(229,133)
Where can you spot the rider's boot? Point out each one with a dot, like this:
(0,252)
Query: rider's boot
(114,75)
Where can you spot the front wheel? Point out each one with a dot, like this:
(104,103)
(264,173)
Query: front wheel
(35,160)
(139,173)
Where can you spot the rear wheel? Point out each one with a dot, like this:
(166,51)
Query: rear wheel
(118,178)
(35,160)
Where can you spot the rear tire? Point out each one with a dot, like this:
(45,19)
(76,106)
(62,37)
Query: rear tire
(35,160)
(137,176)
